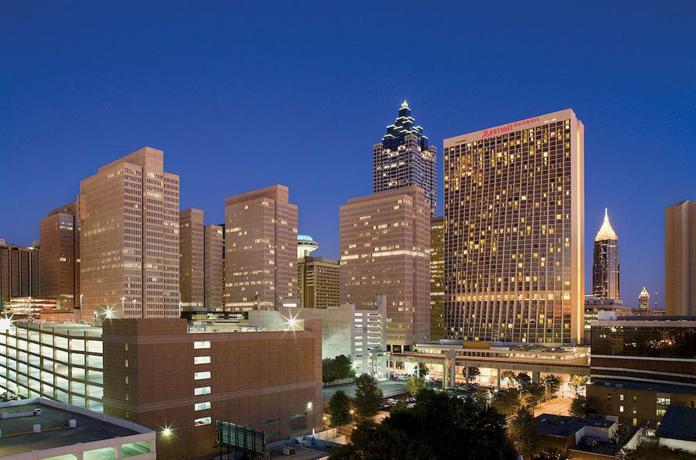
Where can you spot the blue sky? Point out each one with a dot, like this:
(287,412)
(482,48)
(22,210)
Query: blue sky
(241,95)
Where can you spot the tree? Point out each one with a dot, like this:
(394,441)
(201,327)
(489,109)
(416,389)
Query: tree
(524,433)
(339,409)
(523,379)
(551,454)
(506,401)
(552,384)
(577,381)
(415,385)
(422,370)
(533,393)
(473,373)
(367,395)
(581,407)
(649,451)
(336,368)
(509,375)
(438,427)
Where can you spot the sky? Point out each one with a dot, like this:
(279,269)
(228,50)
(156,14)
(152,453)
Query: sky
(241,95)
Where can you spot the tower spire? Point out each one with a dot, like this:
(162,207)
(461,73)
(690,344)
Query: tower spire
(606,232)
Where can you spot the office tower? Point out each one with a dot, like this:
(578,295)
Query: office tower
(213,269)
(385,241)
(404,158)
(514,205)
(192,250)
(19,272)
(680,259)
(60,249)
(606,268)
(260,250)
(318,280)
(644,300)
(129,240)
(437,278)
(305,246)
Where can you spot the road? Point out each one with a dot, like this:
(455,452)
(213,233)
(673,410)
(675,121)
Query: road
(389,388)
(557,406)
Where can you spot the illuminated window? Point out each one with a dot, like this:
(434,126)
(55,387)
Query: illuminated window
(201,391)
(202,406)
(201,344)
(202,421)
(201,360)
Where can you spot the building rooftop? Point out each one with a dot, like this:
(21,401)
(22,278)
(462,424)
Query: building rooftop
(563,425)
(606,232)
(678,423)
(18,436)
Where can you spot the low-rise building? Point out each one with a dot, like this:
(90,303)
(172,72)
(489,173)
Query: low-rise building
(678,429)
(40,429)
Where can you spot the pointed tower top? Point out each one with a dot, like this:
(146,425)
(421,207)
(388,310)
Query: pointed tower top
(404,105)
(644,293)
(605,231)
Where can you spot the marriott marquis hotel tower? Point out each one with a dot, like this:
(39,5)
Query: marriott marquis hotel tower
(514,247)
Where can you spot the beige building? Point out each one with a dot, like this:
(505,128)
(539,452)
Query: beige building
(60,267)
(318,281)
(385,246)
(437,278)
(680,259)
(514,244)
(192,262)
(260,250)
(213,269)
(129,241)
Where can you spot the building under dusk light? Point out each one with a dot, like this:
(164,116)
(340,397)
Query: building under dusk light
(514,244)
(606,268)
(680,259)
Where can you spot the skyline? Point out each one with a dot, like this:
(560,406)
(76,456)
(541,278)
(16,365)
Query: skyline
(87,95)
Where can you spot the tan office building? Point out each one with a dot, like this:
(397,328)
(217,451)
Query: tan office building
(385,246)
(260,250)
(213,269)
(19,272)
(192,245)
(129,241)
(680,259)
(318,281)
(514,244)
(60,248)
(437,278)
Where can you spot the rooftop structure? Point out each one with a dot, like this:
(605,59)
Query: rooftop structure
(606,267)
(40,428)
(305,246)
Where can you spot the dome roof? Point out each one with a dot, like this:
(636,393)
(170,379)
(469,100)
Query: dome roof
(605,231)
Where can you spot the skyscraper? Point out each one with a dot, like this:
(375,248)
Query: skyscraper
(261,250)
(680,259)
(385,241)
(606,268)
(60,249)
(192,262)
(644,300)
(514,243)
(19,272)
(437,278)
(318,281)
(404,158)
(213,267)
(129,240)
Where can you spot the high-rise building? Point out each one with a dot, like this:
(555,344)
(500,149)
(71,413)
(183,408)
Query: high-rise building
(213,268)
(644,300)
(404,158)
(514,242)
(318,281)
(606,268)
(437,278)
(260,250)
(60,249)
(305,246)
(129,240)
(680,259)
(19,272)
(192,262)
(385,245)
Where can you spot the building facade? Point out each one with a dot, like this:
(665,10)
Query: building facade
(192,261)
(19,272)
(437,278)
(129,240)
(260,250)
(403,158)
(642,365)
(514,244)
(318,282)
(60,266)
(644,300)
(680,259)
(385,246)
(213,268)
(606,268)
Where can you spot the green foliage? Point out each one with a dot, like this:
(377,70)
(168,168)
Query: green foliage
(533,393)
(422,370)
(578,380)
(551,454)
(648,451)
(367,396)
(524,433)
(415,385)
(552,384)
(581,407)
(506,401)
(336,368)
(509,375)
(473,373)
(339,409)
(438,427)
(523,379)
